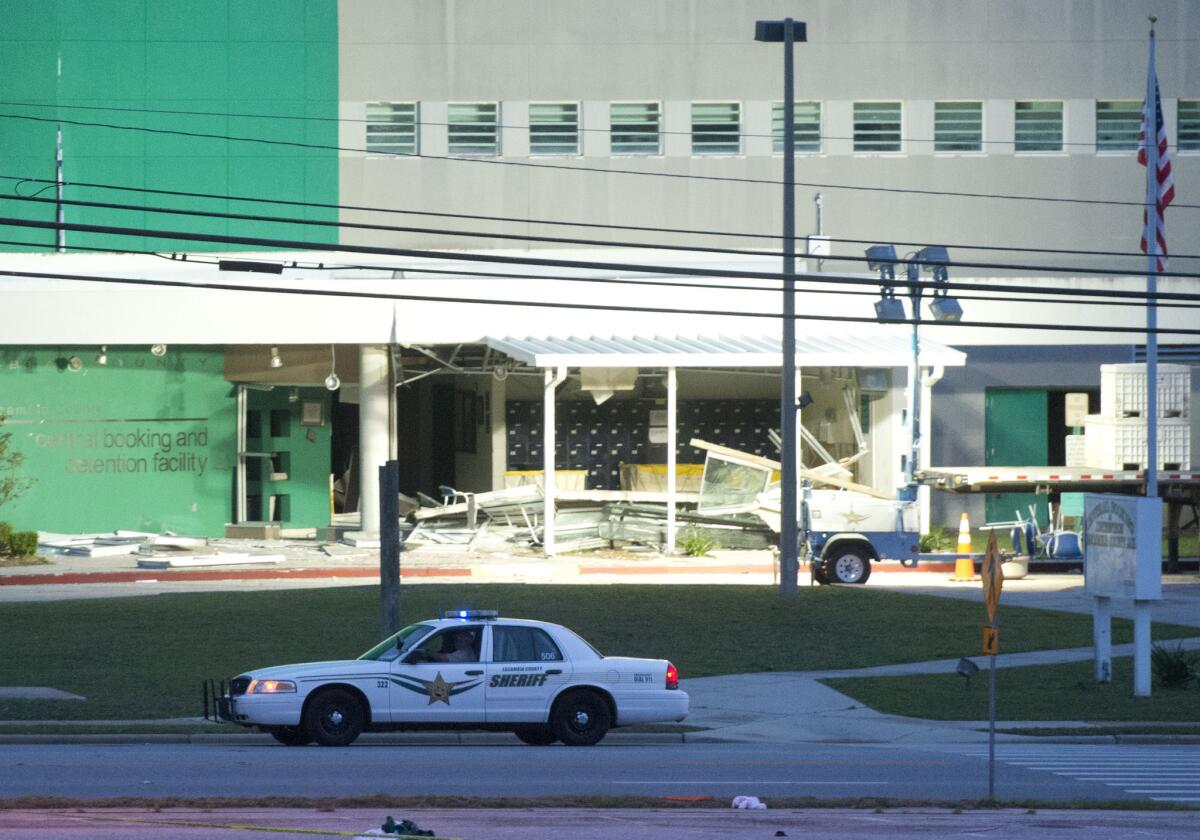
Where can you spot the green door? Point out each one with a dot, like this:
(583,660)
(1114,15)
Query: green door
(1015,423)
(288,481)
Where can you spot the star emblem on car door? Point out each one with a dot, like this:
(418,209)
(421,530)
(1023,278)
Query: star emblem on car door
(436,689)
(439,689)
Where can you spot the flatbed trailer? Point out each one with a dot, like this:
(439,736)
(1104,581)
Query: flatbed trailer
(1178,488)
(1052,479)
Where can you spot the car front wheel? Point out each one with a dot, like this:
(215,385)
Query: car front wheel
(334,718)
(580,719)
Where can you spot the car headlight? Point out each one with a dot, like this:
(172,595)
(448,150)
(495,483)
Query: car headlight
(271,687)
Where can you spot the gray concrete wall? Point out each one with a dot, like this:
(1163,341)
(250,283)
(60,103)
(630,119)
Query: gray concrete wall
(515,52)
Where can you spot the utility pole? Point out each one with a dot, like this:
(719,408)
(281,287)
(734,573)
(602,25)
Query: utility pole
(787,31)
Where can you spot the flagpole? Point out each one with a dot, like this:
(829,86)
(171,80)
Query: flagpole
(1151,237)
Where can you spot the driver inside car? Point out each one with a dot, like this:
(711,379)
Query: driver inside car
(457,646)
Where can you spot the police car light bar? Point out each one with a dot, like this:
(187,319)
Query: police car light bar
(470,614)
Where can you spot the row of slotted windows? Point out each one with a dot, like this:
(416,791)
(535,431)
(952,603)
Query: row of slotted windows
(473,128)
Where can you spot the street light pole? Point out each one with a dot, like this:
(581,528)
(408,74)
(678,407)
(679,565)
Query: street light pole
(787,31)
(914,414)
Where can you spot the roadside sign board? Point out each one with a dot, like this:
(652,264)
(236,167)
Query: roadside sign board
(1122,539)
(993,577)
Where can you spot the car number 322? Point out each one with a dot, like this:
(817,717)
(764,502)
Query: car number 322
(467,670)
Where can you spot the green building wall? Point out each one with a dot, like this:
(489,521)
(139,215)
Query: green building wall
(266,69)
(143,443)
(153,94)
(149,443)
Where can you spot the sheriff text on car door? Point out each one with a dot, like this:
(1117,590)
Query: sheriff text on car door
(526,670)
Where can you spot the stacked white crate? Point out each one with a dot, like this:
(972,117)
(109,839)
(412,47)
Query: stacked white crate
(1116,437)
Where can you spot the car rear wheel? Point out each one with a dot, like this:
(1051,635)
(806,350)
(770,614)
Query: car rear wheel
(291,736)
(536,736)
(334,718)
(848,563)
(580,719)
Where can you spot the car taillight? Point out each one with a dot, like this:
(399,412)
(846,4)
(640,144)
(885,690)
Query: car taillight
(672,676)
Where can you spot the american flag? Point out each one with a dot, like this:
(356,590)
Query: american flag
(1165,192)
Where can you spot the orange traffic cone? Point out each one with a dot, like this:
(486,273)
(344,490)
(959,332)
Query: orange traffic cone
(964,566)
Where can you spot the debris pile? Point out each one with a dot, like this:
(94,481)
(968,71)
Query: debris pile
(584,520)
(153,551)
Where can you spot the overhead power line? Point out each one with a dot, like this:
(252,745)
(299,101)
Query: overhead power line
(592,169)
(557,222)
(602,307)
(462,274)
(499,259)
(337,225)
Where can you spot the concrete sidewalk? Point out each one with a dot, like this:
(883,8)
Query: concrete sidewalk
(797,707)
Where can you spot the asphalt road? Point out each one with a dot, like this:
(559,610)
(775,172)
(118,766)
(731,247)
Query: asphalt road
(1048,772)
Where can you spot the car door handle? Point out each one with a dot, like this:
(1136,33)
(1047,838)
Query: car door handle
(554,671)
(474,673)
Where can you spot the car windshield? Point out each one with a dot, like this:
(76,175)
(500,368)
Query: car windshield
(399,643)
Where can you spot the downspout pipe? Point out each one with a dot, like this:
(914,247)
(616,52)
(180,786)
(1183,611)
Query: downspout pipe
(923,492)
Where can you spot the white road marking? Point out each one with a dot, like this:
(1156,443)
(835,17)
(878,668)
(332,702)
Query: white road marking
(738,782)
(1138,771)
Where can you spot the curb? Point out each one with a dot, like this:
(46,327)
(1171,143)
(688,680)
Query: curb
(379,739)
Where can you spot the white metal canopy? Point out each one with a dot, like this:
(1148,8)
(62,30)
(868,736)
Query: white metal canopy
(870,348)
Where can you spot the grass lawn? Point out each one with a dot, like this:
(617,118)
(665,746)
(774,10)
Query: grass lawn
(145,657)
(1039,692)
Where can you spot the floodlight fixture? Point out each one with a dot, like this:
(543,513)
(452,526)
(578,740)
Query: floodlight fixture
(102,356)
(882,258)
(276,362)
(935,259)
(945,309)
(889,307)
(966,669)
(158,349)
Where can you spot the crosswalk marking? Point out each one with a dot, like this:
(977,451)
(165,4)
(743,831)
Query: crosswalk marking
(1159,773)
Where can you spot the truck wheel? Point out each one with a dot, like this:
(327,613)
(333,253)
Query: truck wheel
(580,719)
(848,563)
(290,736)
(536,736)
(334,718)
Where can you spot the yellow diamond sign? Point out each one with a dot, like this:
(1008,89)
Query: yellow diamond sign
(993,577)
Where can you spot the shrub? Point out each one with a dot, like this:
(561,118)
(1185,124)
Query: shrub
(23,543)
(938,540)
(1173,667)
(13,484)
(696,543)
(5,537)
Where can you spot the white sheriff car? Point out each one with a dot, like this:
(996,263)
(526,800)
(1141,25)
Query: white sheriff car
(466,670)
